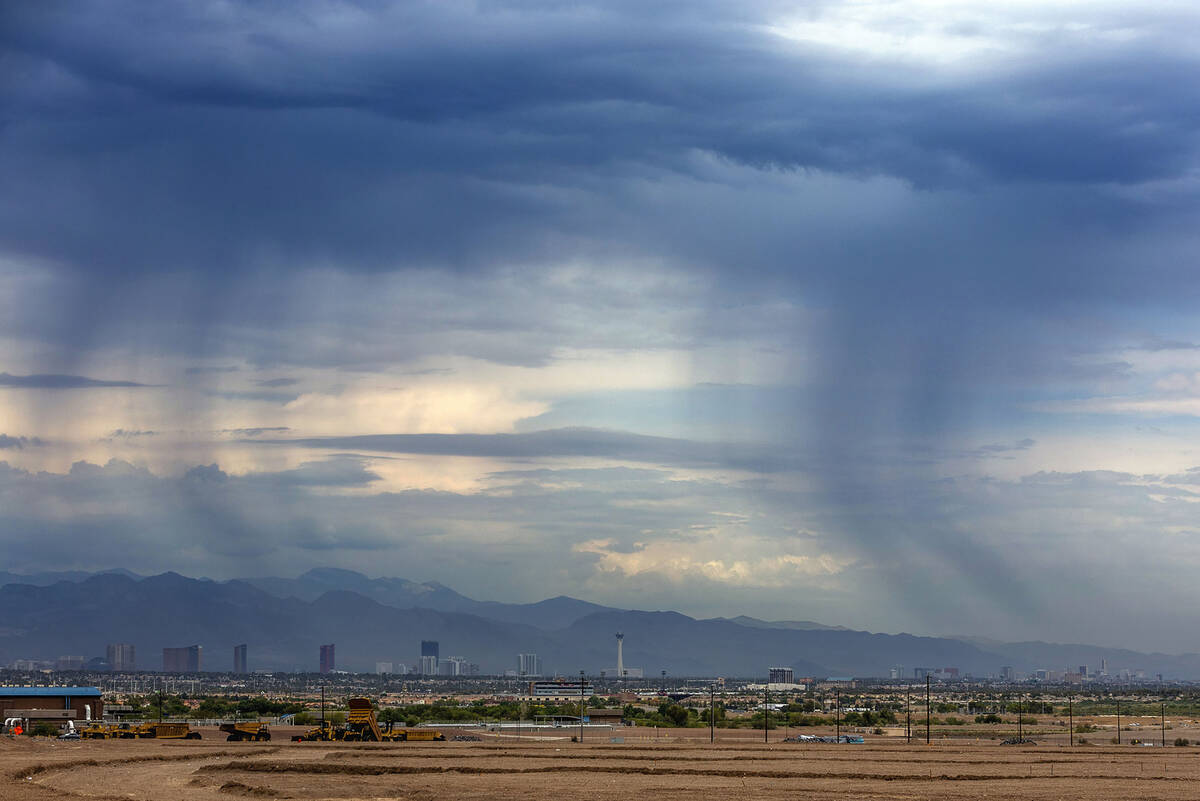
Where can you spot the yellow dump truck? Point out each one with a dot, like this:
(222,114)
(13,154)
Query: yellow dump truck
(361,724)
(246,730)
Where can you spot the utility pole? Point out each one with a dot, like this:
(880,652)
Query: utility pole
(1118,721)
(1162,722)
(1020,717)
(837,715)
(1071,717)
(928,709)
(582,707)
(322,707)
(766,713)
(907,714)
(712,713)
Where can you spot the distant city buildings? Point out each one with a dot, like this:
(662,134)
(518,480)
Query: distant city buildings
(621,671)
(328,661)
(429,657)
(780,675)
(239,659)
(183,660)
(121,657)
(453,666)
(69,663)
(529,665)
(383,668)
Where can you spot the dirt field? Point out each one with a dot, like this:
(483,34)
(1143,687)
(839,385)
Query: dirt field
(683,765)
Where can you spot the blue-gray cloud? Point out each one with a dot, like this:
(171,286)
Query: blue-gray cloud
(17,443)
(49,381)
(583,443)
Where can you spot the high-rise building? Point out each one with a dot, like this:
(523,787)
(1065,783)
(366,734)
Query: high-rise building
(383,668)
(529,665)
(452,666)
(429,657)
(183,660)
(69,663)
(780,675)
(328,664)
(239,659)
(121,657)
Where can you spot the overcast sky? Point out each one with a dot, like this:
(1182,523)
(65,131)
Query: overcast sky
(881,314)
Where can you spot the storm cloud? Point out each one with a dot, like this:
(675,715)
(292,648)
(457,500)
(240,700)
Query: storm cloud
(699,303)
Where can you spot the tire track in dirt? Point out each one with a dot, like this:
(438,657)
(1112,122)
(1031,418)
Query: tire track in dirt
(323,768)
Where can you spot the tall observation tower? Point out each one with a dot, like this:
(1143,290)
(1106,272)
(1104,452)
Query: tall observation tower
(620,657)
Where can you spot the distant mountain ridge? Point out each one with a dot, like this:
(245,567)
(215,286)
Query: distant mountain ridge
(382,620)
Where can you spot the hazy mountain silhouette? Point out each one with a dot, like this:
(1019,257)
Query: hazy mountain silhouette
(284,621)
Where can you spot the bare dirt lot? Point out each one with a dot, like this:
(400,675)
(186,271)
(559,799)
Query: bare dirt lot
(684,765)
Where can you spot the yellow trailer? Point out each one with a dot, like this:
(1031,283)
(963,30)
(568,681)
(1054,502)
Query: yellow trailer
(161,731)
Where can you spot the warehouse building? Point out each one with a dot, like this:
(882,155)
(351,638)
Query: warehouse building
(54,704)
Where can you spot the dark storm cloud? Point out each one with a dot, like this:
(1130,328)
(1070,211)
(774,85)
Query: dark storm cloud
(585,443)
(376,121)
(47,381)
(18,443)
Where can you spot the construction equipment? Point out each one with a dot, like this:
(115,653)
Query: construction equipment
(325,733)
(419,735)
(99,731)
(161,731)
(246,730)
(361,724)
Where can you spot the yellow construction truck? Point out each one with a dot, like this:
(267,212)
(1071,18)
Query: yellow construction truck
(246,730)
(362,726)
(325,733)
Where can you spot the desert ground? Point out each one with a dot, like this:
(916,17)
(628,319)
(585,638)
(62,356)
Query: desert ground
(622,764)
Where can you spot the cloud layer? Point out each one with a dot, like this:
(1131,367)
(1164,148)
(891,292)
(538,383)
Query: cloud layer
(702,305)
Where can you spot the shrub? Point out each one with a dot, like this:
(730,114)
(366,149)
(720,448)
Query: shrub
(1182,741)
(43,729)
(991,717)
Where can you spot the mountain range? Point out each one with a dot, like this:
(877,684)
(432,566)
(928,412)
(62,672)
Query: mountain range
(285,620)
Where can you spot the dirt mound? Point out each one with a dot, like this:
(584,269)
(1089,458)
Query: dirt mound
(253,791)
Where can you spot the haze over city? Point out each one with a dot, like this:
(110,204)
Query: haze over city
(878,314)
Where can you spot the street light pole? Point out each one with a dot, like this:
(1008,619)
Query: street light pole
(837,715)
(1071,717)
(581,706)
